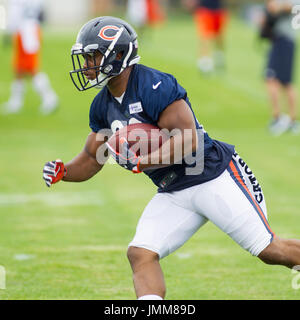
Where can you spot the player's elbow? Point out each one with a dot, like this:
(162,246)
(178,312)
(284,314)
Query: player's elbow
(194,146)
(190,144)
(189,147)
(195,143)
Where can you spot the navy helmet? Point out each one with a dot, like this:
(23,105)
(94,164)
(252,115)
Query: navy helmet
(111,37)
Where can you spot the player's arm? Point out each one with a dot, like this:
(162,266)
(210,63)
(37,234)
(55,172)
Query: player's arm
(278,8)
(81,168)
(85,165)
(177,117)
(179,120)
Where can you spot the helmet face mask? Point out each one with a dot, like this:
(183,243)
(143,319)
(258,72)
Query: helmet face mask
(115,39)
(82,65)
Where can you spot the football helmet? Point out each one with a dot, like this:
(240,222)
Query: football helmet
(115,39)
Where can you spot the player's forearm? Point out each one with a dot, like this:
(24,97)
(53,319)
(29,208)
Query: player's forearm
(171,152)
(77,173)
(78,170)
(286,8)
(277,8)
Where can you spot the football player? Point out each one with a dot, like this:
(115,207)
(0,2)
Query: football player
(144,14)
(210,19)
(23,22)
(280,65)
(227,193)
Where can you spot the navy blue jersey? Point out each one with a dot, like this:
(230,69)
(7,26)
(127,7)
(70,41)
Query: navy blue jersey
(148,93)
(211,4)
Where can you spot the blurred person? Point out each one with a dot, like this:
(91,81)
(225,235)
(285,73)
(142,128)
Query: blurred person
(144,13)
(226,192)
(277,27)
(210,18)
(23,23)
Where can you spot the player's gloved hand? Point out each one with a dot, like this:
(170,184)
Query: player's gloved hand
(53,172)
(126,158)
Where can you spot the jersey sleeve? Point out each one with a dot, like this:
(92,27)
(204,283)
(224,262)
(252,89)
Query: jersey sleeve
(159,92)
(96,118)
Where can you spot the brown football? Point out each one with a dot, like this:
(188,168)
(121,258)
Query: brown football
(143,138)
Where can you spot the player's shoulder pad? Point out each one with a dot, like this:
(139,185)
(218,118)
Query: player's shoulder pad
(152,80)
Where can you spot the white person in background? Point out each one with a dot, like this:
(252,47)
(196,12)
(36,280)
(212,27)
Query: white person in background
(280,66)
(23,24)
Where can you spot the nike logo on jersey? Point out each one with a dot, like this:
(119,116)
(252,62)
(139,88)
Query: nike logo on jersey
(155,86)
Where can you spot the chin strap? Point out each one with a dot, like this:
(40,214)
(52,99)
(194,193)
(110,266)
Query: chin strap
(101,81)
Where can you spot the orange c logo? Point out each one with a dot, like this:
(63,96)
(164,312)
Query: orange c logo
(102,35)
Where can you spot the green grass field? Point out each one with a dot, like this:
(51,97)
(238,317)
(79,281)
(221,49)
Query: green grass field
(70,241)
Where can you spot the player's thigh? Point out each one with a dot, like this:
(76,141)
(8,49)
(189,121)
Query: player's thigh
(165,226)
(221,18)
(204,23)
(25,62)
(251,182)
(227,202)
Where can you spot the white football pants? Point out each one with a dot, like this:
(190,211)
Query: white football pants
(234,202)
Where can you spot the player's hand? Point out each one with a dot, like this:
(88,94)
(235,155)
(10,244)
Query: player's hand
(126,158)
(53,172)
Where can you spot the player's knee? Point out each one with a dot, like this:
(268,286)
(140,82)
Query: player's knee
(139,256)
(274,253)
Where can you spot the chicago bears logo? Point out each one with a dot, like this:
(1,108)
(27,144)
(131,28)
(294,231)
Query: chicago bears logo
(103,33)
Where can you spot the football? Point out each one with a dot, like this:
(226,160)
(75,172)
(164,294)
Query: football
(143,138)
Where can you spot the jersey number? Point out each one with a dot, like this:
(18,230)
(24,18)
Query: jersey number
(118,124)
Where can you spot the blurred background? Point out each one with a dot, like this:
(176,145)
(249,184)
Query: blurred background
(69,242)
